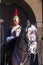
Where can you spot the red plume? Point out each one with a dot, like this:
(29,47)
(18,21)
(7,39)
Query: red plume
(16,12)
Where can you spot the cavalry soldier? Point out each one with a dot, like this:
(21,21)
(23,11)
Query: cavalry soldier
(32,42)
(16,28)
(13,35)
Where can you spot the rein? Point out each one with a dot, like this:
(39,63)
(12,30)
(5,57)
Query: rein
(21,62)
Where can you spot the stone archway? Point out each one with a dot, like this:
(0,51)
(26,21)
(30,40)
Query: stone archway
(25,7)
(25,12)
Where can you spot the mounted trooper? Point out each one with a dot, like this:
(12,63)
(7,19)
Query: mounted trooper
(32,41)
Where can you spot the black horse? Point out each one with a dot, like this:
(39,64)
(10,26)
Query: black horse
(17,53)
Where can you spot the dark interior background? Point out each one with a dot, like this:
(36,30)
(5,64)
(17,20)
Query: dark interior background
(7,13)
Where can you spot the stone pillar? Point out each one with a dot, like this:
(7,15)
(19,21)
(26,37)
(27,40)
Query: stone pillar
(0,1)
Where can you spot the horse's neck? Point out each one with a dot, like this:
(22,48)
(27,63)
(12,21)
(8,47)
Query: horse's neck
(21,44)
(21,55)
(22,36)
(21,52)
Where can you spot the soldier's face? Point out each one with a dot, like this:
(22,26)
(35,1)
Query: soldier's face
(28,23)
(15,22)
